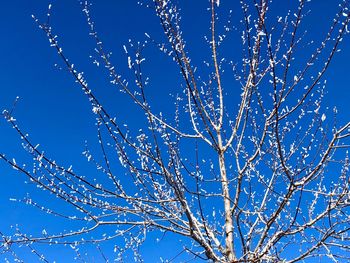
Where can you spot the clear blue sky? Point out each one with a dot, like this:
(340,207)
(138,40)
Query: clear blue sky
(51,106)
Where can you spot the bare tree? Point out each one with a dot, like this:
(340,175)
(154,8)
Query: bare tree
(248,170)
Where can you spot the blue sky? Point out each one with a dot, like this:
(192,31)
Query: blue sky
(52,108)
